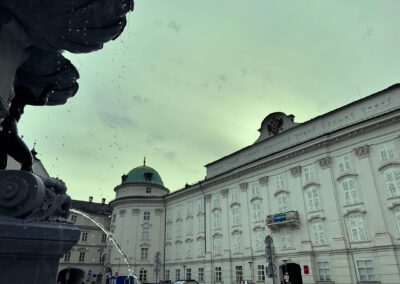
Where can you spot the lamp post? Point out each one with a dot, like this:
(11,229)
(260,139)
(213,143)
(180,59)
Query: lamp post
(251,271)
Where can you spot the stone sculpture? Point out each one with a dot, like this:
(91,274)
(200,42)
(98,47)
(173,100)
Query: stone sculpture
(33,35)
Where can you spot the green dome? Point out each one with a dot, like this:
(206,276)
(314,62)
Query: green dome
(143,174)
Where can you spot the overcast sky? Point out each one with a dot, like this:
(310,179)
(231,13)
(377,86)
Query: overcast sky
(190,81)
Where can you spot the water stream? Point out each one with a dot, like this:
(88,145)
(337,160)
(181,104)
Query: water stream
(110,238)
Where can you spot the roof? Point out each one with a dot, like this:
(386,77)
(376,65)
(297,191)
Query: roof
(91,207)
(143,174)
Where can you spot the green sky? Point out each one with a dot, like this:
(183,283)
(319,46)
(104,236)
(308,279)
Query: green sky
(190,81)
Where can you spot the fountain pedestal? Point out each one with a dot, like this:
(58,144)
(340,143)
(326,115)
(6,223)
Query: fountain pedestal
(30,252)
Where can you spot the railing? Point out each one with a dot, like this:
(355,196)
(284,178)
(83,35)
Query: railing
(287,219)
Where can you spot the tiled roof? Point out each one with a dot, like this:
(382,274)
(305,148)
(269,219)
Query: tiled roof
(91,207)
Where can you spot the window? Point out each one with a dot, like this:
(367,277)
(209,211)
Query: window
(239,273)
(255,189)
(286,241)
(145,232)
(283,202)
(168,231)
(260,273)
(200,206)
(167,274)
(217,219)
(177,274)
(178,250)
(344,164)
(188,273)
(280,181)
(148,190)
(357,228)
(218,274)
(323,270)
(200,248)
(350,191)
(103,238)
(168,252)
(67,256)
(143,274)
(189,227)
(366,270)
(179,212)
(189,249)
(387,152)
(235,195)
(312,199)
(82,256)
(146,215)
(309,174)
(260,245)
(102,257)
(237,243)
(392,177)
(257,211)
(169,214)
(178,229)
(397,217)
(200,223)
(217,202)
(236,215)
(84,237)
(217,246)
(144,253)
(318,233)
(201,274)
(73,218)
(189,209)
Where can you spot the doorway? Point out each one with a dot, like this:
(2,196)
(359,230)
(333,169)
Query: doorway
(70,276)
(291,271)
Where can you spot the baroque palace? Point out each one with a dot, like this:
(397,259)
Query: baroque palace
(327,191)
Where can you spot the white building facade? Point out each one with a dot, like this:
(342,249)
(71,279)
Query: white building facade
(327,191)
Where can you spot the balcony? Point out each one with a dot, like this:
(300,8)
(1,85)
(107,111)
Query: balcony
(288,219)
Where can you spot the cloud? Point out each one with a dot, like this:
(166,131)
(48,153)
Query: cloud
(114,120)
(174,26)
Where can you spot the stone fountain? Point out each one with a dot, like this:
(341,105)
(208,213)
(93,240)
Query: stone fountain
(34,233)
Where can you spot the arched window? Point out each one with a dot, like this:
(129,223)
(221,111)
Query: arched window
(217,219)
(257,210)
(236,215)
(350,191)
(318,233)
(312,199)
(217,245)
(283,202)
(357,228)
(237,243)
(392,177)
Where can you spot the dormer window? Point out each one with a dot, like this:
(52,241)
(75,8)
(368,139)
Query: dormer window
(148,190)
(148,176)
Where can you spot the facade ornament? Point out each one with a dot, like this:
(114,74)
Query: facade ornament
(296,171)
(324,162)
(224,192)
(243,186)
(275,125)
(263,180)
(362,151)
(208,197)
(135,211)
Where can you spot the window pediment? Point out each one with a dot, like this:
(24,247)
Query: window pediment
(178,242)
(144,245)
(217,235)
(189,240)
(388,165)
(236,232)
(315,216)
(199,238)
(311,184)
(356,209)
(235,203)
(346,175)
(216,209)
(279,191)
(255,198)
(145,224)
(258,228)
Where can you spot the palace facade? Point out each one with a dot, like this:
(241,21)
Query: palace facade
(327,191)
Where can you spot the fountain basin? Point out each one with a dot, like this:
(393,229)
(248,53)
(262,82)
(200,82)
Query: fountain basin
(30,252)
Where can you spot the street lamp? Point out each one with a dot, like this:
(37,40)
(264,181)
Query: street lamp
(251,271)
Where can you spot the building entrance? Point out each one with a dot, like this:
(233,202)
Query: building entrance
(70,276)
(291,273)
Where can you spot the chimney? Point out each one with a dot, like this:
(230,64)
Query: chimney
(90,198)
(103,201)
